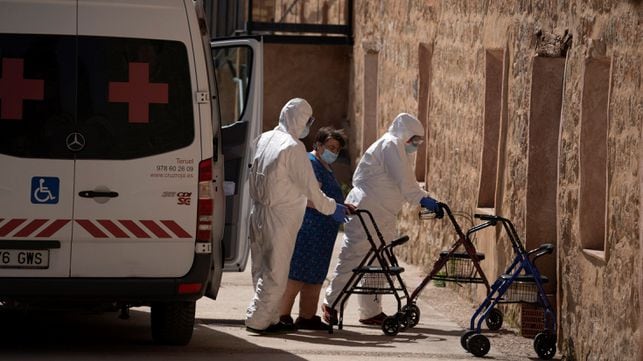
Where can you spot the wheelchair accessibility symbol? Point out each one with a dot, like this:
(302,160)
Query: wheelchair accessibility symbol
(44,190)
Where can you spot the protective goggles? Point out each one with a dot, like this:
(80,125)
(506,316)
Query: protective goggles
(416,140)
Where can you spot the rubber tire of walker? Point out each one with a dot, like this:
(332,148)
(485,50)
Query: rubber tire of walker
(478,345)
(494,319)
(545,345)
(402,321)
(172,322)
(390,326)
(465,336)
(413,313)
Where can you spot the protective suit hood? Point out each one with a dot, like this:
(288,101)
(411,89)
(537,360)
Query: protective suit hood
(294,116)
(405,126)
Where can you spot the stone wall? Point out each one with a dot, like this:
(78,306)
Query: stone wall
(598,290)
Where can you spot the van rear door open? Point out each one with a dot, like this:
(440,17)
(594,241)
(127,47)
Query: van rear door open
(238,64)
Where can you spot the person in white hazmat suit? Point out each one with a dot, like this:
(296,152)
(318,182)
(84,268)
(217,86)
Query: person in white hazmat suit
(281,181)
(382,182)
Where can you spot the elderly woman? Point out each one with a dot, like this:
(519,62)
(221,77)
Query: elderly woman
(316,238)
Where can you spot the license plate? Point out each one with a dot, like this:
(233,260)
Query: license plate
(24,258)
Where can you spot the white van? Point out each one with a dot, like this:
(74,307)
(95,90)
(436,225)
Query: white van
(112,143)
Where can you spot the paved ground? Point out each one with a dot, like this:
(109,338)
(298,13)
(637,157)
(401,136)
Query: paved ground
(221,335)
(444,317)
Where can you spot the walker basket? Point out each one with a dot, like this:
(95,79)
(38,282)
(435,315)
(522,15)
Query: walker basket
(523,289)
(373,280)
(459,267)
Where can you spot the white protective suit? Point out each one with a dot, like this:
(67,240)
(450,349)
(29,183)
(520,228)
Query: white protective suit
(383,181)
(281,180)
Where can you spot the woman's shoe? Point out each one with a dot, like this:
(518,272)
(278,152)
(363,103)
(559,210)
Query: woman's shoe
(314,323)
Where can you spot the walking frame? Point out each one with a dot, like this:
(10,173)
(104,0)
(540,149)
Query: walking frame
(377,273)
(520,283)
(454,265)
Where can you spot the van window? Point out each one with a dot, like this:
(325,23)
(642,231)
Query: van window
(134,97)
(232,67)
(128,98)
(37,95)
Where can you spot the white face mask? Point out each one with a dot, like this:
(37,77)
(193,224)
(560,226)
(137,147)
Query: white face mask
(304,133)
(328,156)
(410,148)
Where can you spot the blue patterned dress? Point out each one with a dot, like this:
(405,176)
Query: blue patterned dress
(316,238)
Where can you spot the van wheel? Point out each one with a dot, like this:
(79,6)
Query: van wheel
(173,322)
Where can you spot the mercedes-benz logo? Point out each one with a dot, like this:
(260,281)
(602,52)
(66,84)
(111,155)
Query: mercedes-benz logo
(75,142)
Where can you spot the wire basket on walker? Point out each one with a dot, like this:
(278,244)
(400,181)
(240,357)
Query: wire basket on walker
(378,273)
(459,264)
(520,283)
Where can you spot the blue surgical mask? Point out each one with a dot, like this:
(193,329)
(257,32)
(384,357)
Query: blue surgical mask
(410,148)
(328,156)
(304,133)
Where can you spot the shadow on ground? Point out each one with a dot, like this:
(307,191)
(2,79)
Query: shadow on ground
(65,335)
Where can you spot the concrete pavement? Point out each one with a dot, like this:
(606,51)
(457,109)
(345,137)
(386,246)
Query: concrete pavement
(220,333)
(435,337)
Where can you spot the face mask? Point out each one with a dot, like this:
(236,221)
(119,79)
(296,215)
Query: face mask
(410,148)
(328,156)
(304,133)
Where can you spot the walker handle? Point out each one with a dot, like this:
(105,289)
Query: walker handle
(487,217)
(544,249)
(399,241)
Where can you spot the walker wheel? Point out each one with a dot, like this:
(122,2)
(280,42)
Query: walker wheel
(545,345)
(494,319)
(478,345)
(402,321)
(412,314)
(465,336)
(390,326)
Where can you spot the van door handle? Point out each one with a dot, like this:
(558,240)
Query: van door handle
(94,194)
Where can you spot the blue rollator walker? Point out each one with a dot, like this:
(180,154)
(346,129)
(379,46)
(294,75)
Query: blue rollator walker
(377,273)
(521,283)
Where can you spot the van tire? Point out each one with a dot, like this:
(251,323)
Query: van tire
(173,322)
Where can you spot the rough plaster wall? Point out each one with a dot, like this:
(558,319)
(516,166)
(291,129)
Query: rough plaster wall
(599,300)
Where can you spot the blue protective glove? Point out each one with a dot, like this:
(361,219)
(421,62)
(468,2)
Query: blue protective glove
(432,205)
(340,213)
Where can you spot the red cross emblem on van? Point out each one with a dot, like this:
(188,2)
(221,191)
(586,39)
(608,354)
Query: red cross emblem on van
(14,88)
(138,92)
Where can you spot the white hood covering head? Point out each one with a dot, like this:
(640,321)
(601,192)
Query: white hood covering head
(294,116)
(385,175)
(406,126)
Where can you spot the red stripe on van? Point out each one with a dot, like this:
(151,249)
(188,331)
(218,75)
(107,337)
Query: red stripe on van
(134,228)
(30,228)
(91,228)
(158,231)
(53,228)
(178,230)
(113,228)
(10,226)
